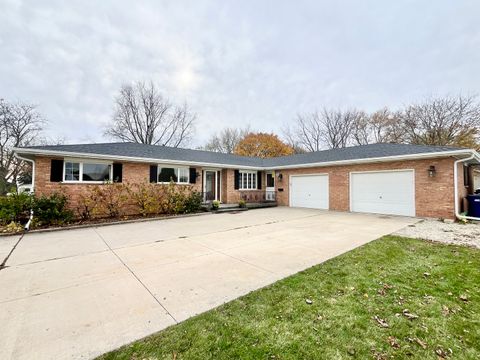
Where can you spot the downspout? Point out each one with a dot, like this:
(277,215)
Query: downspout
(455,181)
(29,222)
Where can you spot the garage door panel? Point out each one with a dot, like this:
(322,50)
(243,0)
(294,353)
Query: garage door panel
(389,192)
(309,191)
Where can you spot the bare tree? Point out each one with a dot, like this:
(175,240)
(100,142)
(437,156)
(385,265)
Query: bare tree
(143,115)
(443,121)
(338,127)
(290,137)
(379,127)
(226,140)
(307,132)
(20,125)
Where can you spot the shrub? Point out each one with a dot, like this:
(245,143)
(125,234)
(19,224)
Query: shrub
(111,199)
(15,207)
(242,203)
(146,197)
(215,204)
(193,202)
(86,206)
(51,210)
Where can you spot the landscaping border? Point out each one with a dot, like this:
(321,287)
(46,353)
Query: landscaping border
(101,224)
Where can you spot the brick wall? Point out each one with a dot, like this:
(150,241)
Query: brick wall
(131,173)
(434,195)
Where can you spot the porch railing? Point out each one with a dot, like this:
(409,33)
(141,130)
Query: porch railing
(249,196)
(258,196)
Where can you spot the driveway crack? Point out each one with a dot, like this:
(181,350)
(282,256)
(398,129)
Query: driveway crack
(135,276)
(4,262)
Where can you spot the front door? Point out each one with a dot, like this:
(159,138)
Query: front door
(270,186)
(210,185)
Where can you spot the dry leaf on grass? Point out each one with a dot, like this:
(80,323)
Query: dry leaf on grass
(393,342)
(381,322)
(423,344)
(409,315)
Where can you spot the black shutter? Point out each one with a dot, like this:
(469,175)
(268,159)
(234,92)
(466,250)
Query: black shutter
(193,175)
(56,170)
(117,172)
(237,180)
(153,173)
(259,180)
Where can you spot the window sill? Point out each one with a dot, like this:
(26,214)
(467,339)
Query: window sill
(84,182)
(177,183)
(248,189)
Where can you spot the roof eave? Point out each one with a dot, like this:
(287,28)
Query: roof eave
(27,151)
(466,152)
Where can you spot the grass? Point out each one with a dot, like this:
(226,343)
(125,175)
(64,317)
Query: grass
(438,283)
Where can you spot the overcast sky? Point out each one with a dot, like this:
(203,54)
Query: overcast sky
(235,62)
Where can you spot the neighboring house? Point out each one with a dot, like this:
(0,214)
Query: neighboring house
(397,179)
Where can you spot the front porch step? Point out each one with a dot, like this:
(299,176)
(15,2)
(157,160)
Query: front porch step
(261,205)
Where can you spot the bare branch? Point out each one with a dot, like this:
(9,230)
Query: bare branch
(143,116)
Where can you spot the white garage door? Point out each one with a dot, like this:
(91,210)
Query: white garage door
(389,192)
(309,191)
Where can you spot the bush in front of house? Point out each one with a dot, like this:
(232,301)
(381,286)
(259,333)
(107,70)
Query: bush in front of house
(145,197)
(51,210)
(15,207)
(111,199)
(48,210)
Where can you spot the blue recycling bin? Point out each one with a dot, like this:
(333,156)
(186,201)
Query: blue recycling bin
(474,205)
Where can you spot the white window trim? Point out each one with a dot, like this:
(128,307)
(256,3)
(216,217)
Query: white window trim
(254,186)
(80,170)
(159,166)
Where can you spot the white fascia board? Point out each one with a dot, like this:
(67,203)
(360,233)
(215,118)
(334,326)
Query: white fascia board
(377,159)
(69,154)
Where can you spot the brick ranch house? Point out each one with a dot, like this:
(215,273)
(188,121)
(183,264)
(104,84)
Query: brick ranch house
(395,179)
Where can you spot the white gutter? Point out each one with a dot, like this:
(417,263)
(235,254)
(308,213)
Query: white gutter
(33,168)
(239,166)
(473,155)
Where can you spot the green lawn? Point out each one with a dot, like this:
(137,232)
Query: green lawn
(388,282)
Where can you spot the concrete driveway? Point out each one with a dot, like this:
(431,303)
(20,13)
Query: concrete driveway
(78,293)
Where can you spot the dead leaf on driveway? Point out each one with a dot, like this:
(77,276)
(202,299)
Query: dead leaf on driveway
(381,322)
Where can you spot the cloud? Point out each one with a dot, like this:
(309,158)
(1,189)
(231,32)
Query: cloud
(235,63)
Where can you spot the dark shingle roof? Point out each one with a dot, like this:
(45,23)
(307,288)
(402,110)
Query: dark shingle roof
(154,152)
(168,153)
(356,153)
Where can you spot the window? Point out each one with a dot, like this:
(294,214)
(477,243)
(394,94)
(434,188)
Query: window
(466,176)
(270,180)
(72,171)
(248,180)
(87,172)
(96,172)
(179,175)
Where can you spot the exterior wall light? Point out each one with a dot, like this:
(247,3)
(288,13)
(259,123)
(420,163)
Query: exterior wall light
(280,177)
(432,171)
